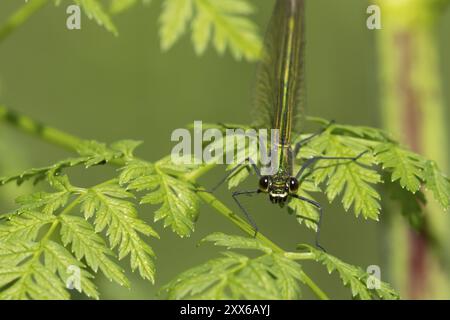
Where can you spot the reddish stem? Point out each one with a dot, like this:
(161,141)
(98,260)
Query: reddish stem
(411,126)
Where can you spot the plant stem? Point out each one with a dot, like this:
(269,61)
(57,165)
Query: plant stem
(238,221)
(244,226)
(194,175)
(299,255)
(35,128)
(20,17)
(414,111)
(313,286)
(52,229)
(71,143)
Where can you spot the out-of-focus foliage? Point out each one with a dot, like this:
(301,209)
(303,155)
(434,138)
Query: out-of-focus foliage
(223,23)
(362,285)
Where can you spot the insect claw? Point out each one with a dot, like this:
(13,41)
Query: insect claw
(320,247)
(360,155)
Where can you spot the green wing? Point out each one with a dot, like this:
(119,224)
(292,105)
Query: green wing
(279,80)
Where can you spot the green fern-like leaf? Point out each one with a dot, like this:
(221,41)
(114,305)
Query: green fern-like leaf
(25,226)
(174,18)
(353,277)
(97,152)
(179,202)
(40,173)
(411,170)
(60,261)
(239,156)
(406,166)
(12,254)
(241,153)
(87,244)
(49,202)
(235,276)
(354,179)
(438,183)
(94,10)
(91,153)
(29,277)
(119,6)
(230,28)
(36,264)
(222,21)
(36,280)
(123,226)
(367,133)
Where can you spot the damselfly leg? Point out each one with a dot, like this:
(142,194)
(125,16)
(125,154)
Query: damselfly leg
(239,193)
(318,223)
(308,163)
(247,215)
(232,171)
(303,142)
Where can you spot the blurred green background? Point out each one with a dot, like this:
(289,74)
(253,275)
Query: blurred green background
(97,86)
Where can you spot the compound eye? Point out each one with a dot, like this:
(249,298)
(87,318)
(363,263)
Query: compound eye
(264,183)
(293,184)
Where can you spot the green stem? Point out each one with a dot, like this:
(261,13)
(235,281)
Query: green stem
(20,17)
(35,128)
(70,142)
(248,229)
(300,255)
(55,223)
(194,175)
(313,286)
(53,227)
(238,221)
(244,226)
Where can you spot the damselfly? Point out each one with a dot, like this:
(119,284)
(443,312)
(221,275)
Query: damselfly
(279,91)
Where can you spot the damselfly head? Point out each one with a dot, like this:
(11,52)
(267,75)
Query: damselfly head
(278,186)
